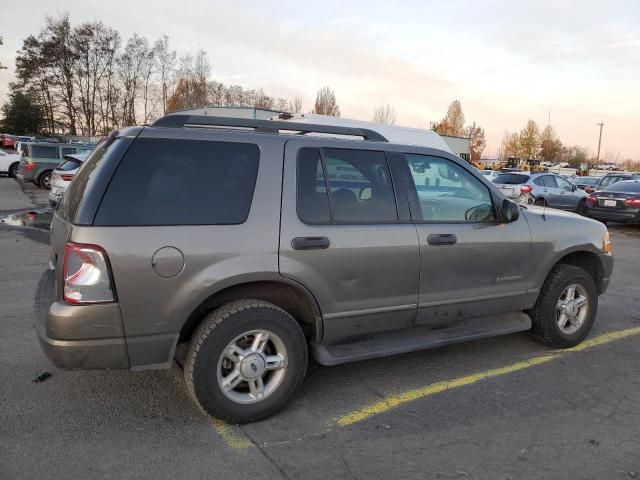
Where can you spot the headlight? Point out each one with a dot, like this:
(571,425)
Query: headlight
(606,244)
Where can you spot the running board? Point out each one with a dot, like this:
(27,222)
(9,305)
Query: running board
(418,338)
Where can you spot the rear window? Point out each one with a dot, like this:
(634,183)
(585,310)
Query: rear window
(69,164)
(181,182)
(511,179)
(41,151)
(624,187)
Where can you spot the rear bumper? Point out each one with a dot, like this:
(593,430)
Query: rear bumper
(75,336)
(613,215)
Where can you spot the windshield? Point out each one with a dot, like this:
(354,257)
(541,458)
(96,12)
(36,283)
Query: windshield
(511,179)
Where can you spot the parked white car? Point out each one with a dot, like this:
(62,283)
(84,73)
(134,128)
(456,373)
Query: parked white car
(63,174)
(9,163)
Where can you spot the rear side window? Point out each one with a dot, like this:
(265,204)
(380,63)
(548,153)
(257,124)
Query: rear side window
(181,182)
(69,164)
(42,151)
(344,187)
(510,179)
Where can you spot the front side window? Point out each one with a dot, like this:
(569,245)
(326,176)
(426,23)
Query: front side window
(344,187)
(181,182)
(447,192)
(563,184)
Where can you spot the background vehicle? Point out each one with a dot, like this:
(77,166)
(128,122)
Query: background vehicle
(489,174)
(244,249)
(9,163)
(611,178)
(587,184)
(9,141)
(618,202)
(39,159)
(544,189)
(63,174)
(21,141)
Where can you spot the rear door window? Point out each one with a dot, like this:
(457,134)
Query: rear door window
(345,186)
(181,182)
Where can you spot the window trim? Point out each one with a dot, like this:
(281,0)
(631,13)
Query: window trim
(332,221)
(414,201)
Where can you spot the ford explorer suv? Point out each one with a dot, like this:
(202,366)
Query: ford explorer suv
(239,247)
(40,159)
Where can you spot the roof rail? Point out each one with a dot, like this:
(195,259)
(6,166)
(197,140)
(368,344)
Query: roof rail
(268,126)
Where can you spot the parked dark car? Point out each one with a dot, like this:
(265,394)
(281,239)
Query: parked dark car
(619,202)
(611,178)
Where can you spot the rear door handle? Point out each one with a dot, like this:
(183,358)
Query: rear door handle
(442,239)
(310,243)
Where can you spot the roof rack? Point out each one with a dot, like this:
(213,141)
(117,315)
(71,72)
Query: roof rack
(267,126)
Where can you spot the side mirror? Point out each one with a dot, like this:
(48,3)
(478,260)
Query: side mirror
(510,211)
(573,188)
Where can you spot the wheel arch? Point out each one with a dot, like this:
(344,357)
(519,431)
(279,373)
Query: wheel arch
(11,165)
(292,297)
(43,172)
(588,261)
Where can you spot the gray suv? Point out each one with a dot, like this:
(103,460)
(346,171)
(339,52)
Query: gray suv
(238,246)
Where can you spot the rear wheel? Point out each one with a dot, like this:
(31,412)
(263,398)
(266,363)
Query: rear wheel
(45,180)
(580,209)
(566,308)
(13,170)
(245,361)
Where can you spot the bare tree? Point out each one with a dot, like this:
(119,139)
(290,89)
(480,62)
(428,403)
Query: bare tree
(384,114)
(326,103)
(166,67)
(296,104)
(131,65)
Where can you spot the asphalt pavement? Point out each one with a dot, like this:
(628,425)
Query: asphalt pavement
(504,408)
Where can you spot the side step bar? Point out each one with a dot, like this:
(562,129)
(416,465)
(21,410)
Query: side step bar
(418,338)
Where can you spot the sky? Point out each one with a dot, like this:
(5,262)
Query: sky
(506,61)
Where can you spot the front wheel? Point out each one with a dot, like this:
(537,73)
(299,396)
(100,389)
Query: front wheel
(566,308)
(246,361)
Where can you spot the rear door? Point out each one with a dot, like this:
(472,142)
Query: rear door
(471,264)
(567,198)
(346,235)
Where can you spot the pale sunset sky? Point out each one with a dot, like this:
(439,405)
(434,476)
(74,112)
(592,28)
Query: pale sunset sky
(506,61)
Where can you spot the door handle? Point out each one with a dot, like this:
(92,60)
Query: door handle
(310,243)
(442,239)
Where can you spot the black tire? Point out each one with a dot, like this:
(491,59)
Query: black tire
(44,180)
(13,170)
(543,314)
(581,208)
(215,334)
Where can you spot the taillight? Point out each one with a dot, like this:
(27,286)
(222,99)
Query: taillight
(66,177)
(525,189)
(589,189)
(29,166)
(632,202)
(592,200)
(86,274)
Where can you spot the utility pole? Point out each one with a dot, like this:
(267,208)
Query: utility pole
(601,124)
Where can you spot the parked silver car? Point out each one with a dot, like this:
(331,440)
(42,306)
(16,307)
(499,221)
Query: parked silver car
(239,251)
(544,189)
(63,174)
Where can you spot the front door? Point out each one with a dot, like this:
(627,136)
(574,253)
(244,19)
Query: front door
(566,196)
(346,237)
(471,264)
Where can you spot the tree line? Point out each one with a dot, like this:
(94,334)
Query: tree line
(85,79)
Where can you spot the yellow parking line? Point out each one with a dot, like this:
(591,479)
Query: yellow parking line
(397,399)
(235,440)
